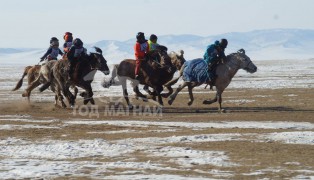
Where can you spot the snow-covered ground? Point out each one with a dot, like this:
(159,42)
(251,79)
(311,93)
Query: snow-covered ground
(25,158)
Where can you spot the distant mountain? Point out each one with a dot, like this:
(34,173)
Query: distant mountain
(260,45)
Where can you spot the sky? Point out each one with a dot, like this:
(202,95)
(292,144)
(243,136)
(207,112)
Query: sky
(31,24)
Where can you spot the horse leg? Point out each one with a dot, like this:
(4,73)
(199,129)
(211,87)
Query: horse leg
(30,87)
(170,91)
(210,101)
(146,88)
(125,92)
(190,87)
(139,94)
(67,93)
(219,101)
(158,92)
(56,100)
(89,94)
(58,96)
(75,92)
(174,95)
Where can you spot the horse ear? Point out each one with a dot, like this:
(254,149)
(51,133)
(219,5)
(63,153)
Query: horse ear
(241,51)
(98,49)
(181,53)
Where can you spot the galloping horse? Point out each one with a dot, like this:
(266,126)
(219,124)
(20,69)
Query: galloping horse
(82,77)
(32,73)
(152,73)
(225,72)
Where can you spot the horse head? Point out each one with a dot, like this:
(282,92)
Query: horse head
(177,60)
(244,61)
(100,61)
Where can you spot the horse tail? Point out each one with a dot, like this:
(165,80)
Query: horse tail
(20,82)
(111,81)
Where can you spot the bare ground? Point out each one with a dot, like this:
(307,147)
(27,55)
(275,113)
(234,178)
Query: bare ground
(256,160)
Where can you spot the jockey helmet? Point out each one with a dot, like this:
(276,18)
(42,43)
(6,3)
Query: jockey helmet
(223,43)
(78,42)
(54,42)
(68,36)
(153,37)
(53,39)
(140,36)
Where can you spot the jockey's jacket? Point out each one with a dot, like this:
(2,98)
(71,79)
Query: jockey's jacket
(212,53)
(75,52)
(152,46)
(52,52)
(140,49)
(67,45)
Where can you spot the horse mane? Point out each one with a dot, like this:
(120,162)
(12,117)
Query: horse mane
(162,48)
(173,53)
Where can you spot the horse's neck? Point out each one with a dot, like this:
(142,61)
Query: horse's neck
(228,68)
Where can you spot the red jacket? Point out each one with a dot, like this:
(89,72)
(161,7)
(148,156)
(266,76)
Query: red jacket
(140,50)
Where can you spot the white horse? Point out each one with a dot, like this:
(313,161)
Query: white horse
(224,73)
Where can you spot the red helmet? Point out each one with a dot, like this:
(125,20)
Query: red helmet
(68,36)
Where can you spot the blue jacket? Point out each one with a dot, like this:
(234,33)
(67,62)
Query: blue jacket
(212,53)
(52,52)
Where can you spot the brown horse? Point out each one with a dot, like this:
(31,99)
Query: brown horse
(224,71)
(152,73)
(32,73)
(83,76)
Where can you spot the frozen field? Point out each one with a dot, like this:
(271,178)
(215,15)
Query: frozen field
(267,133)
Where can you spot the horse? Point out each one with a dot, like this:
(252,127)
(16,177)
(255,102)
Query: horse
(224,73)
(32,73)
(82,77)
(152,73)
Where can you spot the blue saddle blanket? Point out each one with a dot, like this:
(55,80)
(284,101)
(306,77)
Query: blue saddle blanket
(196,70)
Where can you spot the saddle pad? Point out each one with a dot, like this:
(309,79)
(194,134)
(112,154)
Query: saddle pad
(196,71)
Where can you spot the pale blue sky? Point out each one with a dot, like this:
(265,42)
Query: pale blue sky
(31,23)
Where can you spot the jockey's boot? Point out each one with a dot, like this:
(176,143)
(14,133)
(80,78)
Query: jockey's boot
(137,77)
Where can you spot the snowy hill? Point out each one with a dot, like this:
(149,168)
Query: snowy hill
(259,45)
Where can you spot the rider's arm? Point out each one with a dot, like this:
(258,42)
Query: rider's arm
(60,52)
(46,54)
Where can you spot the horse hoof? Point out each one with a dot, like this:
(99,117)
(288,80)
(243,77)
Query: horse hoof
(85,102)
(207,102)
(170,102)
(130,107)
(24,95)
(190,103)
(222,111)
(92,101)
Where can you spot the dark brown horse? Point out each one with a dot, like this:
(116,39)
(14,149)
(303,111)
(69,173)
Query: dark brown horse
(83,76)
(152,73)
(224,71)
